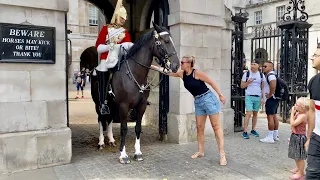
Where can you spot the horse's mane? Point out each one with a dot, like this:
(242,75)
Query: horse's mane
(142,40)
(138,44)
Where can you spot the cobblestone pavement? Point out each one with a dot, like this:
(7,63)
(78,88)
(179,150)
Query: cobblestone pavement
(247,159)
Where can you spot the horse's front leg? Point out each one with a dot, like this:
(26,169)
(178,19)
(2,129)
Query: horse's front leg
(140,111)
(110,134)
(101,136)
(123,113)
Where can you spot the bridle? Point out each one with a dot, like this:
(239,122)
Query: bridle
(163,62)
(165,56)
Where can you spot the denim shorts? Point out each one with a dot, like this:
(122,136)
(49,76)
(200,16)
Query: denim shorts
(79,87)
(206,104)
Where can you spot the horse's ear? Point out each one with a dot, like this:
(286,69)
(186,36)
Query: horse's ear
(156,27)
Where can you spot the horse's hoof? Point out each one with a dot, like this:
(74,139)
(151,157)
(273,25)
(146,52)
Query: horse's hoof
(138,157)
(124,160)
(100,147)
(112,144)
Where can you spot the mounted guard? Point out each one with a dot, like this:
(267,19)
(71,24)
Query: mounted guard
(111,38)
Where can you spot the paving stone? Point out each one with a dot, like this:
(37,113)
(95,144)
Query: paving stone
(248,159)
(68,172)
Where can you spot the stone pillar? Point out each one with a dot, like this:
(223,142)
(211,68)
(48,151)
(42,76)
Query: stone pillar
(33,117)
(199,28)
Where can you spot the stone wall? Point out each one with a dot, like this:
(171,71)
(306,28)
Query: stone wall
(33,126)
(199,28)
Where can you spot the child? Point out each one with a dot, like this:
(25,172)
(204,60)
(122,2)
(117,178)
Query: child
(298,121)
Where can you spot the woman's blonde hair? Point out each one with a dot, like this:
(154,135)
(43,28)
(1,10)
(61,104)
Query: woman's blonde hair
(191,59)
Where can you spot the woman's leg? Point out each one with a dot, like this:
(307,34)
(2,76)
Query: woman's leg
(215,123)
(200,120)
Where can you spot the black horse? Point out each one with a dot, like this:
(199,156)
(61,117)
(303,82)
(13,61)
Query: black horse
(129,85)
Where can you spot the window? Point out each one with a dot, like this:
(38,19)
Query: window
(93,15)
(258,17)
(280,12)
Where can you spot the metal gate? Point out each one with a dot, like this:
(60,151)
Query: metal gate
(161,12)
(286,45)
(266,44)
(237,94)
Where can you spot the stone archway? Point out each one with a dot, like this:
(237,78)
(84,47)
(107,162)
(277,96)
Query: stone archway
(105,6)
(89,58)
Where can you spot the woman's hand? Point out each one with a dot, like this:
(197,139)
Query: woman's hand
(222,99)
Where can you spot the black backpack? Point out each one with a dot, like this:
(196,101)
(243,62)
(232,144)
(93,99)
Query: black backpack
(282,90)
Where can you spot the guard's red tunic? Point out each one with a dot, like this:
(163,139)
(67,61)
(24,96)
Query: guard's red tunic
(103,37)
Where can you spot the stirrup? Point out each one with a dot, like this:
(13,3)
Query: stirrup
(104,109)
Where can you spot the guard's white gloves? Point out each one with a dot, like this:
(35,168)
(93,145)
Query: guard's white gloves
(102,48)
(127,45)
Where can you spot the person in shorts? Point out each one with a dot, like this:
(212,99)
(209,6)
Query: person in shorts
(271,104)
(79,84)
(253,82)
(205,101)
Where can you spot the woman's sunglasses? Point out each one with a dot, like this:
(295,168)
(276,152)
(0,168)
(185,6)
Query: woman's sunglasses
(182,62)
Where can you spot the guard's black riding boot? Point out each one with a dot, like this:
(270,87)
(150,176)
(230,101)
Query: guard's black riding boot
(102,78)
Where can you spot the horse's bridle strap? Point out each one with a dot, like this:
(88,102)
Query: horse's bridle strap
(166,58)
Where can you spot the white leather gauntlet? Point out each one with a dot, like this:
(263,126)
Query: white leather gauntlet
(102,48)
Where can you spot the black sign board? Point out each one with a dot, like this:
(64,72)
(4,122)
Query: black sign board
(27,44)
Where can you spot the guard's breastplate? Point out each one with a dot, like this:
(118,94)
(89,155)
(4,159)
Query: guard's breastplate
(115,34)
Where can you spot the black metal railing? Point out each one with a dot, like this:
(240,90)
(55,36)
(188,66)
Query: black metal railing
(237,94)
(294,53)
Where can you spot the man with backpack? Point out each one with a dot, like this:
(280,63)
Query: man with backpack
(276,90)
(253,82)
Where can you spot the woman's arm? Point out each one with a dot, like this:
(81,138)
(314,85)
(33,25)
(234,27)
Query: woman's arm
(160,69)
(204,77)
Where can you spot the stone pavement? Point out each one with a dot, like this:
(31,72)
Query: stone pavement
(247,159)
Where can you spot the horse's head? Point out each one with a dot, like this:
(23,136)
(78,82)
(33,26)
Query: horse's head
(164,49)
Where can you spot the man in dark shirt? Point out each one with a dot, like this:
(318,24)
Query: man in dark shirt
(313,143)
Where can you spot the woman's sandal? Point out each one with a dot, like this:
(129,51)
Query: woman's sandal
(223,160)
(197,155)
